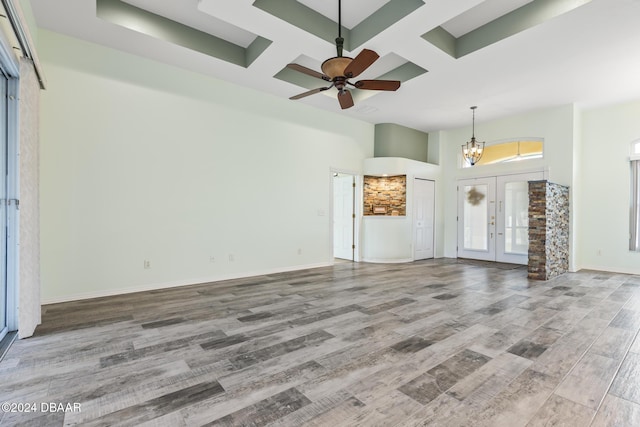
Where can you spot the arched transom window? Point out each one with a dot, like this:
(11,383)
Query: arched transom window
(511,151)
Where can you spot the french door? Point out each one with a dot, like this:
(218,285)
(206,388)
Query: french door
(493,218)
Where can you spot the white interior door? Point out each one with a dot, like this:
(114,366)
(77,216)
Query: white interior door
(476,218)
(512,217)
(343,216)
(423,217)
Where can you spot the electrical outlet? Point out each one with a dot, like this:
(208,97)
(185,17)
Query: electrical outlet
(147,264)
(231,258)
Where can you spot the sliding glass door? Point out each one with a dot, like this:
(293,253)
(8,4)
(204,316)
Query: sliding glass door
(4,299)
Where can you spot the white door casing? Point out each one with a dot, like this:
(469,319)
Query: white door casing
(423,218)
(343,216)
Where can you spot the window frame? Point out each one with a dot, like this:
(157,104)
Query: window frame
(464,165)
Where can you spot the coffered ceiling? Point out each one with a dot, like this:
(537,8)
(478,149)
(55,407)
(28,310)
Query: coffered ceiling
(505,56)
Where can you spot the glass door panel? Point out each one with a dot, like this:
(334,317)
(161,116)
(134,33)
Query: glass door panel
(512,244)
(476,233)
(516,215)
(3,206)
(476,218)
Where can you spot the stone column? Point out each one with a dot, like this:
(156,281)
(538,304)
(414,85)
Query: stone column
(548,230)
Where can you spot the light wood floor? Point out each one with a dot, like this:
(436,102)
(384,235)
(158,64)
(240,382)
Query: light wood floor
(436,342)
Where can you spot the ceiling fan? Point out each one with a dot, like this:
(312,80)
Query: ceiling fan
(339,69)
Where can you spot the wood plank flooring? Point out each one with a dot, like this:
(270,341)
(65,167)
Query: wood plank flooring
(435,342)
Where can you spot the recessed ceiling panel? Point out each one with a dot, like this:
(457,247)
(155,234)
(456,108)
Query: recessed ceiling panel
(353,11)
(529,15)
(186,12)
(382,66)
(480,15)
(134,18)
(374,21)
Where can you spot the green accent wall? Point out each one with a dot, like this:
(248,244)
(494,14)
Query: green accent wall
(392,140)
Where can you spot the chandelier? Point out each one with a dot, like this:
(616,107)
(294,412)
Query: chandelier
(472,150)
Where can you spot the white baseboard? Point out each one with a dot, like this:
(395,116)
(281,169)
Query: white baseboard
(387,261)
(609,269)
(177,283)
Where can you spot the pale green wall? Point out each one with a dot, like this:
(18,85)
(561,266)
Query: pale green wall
(27,12)
(142,160)
(603,226)
(392,140)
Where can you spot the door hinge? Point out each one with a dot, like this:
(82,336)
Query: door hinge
(353,216)
(353,185)
(353,246)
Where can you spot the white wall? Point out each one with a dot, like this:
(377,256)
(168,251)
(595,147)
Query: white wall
(554,125)
(143,161)
(603,227)
(390,239)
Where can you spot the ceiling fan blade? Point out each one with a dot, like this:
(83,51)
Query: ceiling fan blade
(345,99)
(378,84)
(308,71)
(360,63)
(310,92)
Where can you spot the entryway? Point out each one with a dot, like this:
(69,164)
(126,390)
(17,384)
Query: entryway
(344,216)
(423,217)
(493,217)
(8,208)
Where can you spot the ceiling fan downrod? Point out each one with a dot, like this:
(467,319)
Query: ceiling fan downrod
(338,70)
(339,39)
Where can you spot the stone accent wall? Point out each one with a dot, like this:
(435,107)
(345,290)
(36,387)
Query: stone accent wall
(548,230)
(388,193)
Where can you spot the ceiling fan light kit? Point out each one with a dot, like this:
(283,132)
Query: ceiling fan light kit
(334,67)
(339,69)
